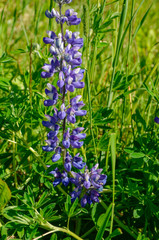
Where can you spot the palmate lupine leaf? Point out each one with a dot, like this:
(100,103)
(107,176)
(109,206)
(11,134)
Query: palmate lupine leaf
(5,194)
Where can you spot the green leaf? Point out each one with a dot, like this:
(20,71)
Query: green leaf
(103,142)
(6,59)
(73,207)
(141,22)
(115,233)
(50,206)
(20,232)
(105,25)
(5,194)
(68,204)
(129,150)
(42,200)
(54,236)
(138,212)
(104,223)
(137,155)
(4,232)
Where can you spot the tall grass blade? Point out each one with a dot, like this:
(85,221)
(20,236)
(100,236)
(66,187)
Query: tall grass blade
(121,27)
(128,25)
(90,112)
(113,157)
(141,23)
(104,224)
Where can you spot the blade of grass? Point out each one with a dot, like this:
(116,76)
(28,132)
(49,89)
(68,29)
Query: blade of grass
(118,49)
(104,224)
(121,27)
(25,33)
(90,113)
(141,23)
(120,223)
(127,69)
(113,157)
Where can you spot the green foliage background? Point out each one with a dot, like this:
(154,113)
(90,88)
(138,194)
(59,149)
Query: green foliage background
(121,97)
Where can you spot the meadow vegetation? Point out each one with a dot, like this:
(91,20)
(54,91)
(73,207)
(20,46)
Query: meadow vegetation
(120,55)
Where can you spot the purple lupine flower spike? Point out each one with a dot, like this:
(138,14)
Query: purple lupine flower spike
(66,60)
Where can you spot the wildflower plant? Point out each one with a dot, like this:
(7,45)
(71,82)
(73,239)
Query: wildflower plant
(65,61)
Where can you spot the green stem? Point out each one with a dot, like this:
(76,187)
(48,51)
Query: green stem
(78,226)
(127,70)
(51,4)
(107,157)
(49,226)
(113,156)
(90,114)
(118,48)
(87,233)
(14,162)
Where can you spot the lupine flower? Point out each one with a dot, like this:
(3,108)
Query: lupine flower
(50,68)
(75,109)
(76,137)
(66,139)
(52,143)
(51,123)
(66,60)
(76,161)
(156,120)
(52,94)
(62,114)
(57,154)
(90,182)
(70,16)
(60,177)
(60,82)
(51,37)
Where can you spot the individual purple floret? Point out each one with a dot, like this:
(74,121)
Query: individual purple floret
(76,137)
(72,17)
(50,68)
(74,39)
(55,131)
(52,143)
(52,94)
(156,120)
(75,109)
(60,177)
(76,161)
(62,114)
(51,37)
(60,82)
(66,139)
(67,163)
(51,123)
(57,154)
